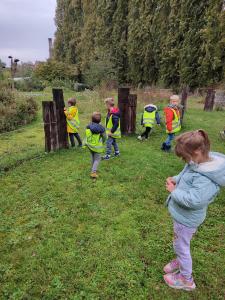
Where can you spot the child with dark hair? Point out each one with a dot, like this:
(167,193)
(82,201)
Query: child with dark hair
(149,118)
(95,137)
(73,122)
(191,192)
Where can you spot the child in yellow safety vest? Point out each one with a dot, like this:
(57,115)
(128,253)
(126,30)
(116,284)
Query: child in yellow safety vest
(149,118)
(73,122)
(173,121)
(113,131)
(95,137)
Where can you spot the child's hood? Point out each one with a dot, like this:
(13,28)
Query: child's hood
(115,111)
(150,108)
(214,169)
(96,128)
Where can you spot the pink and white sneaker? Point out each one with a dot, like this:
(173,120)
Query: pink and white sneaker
(177,281)
(172,266)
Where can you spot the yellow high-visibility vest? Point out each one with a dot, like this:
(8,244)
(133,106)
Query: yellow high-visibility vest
(149,118)
(109,126)
(74,123)
(176,124)
(94,141)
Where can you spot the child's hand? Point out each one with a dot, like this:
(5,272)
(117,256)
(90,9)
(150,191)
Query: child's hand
(110,134)
(170,180)
(170,187)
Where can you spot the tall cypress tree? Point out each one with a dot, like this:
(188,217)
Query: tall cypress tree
(171,42)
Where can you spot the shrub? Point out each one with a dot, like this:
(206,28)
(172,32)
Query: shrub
(29,85)
(15,111)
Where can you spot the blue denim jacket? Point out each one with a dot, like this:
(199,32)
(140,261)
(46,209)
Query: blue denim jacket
(196,187)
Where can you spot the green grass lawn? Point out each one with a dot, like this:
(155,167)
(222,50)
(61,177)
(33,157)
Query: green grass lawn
(63,236)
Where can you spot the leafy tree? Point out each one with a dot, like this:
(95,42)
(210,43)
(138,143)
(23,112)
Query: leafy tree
(52,70)
(171,42)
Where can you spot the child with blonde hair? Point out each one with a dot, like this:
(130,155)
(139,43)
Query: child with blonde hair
(173,121)
(191,192)
(113,131)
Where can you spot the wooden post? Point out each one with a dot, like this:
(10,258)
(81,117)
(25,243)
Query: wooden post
(127,104)
(132,107)
(55,122)
(209,100)
(123,94)
(61,119)
(184,96)
(50,126)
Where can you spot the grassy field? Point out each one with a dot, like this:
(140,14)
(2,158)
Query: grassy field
(63,236)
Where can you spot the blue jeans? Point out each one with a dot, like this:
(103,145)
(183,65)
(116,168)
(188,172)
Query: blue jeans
(169,139)
(111,142)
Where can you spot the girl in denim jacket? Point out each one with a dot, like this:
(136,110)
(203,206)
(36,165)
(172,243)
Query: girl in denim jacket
(191,193)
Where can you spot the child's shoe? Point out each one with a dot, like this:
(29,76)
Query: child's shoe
(106,157)
(163,147)
(94,175)
(172,266)
(140,138)
(117,154)
(177,281)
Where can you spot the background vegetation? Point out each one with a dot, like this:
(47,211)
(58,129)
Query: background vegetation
(168,42)
(15,110)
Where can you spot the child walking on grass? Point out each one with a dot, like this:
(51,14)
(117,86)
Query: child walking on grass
(173,121)
(73,122)
(113,131)
(191,193)
(95,137)
(149,118)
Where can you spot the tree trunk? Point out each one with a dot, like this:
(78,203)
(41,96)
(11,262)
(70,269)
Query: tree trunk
(209,100)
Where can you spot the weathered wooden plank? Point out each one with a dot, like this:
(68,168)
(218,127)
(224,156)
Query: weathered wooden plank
(132,106)
(127,104)
(60,117)
(47,124)
(209,100)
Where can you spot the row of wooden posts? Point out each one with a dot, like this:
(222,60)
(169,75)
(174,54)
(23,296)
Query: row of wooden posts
(55,122)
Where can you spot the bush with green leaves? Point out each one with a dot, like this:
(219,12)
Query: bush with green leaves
(15,110)
(30,84)
(55,70)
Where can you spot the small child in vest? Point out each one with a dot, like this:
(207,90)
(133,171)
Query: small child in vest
(73,122)
(112,128)
(173,122)
(191,192)
(149,117)
(95,137)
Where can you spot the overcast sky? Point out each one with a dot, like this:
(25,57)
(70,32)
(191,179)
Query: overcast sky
(25,26)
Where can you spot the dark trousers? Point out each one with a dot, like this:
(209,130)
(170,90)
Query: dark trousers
(72,140)
(146,132)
